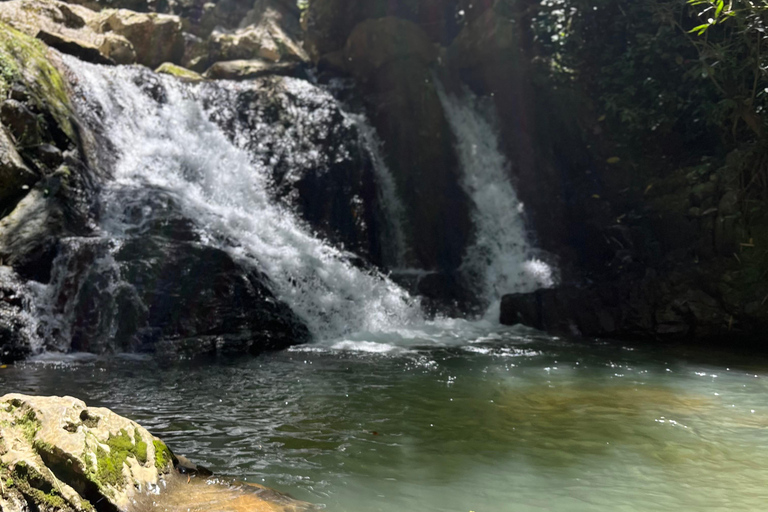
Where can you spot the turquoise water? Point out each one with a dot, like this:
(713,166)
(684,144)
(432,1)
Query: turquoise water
(506,421)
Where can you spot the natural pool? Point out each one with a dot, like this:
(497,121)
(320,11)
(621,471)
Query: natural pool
(461,421)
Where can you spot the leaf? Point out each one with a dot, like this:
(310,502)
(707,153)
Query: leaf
(720,5)
(614,160)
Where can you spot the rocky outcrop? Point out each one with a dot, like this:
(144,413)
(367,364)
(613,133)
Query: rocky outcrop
(390,59)
(251,69)
(156,38)
(106,37)
(58,454)
(317,160)
(141,296)
(68,28)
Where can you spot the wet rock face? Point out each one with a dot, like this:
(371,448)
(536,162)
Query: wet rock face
(16,323)
(161,291)
(314,154)
(391,59)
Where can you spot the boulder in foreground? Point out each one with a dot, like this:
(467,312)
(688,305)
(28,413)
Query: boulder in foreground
(57,454)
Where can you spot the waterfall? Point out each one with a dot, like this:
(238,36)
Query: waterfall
(393,236)
(163,137)
(501,259)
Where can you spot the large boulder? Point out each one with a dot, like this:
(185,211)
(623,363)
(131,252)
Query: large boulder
(156,38)
(59,454)
(390,59)
(69,28)
(318,162)
(328,23)
(163,291)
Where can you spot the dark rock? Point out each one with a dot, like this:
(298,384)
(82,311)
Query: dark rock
(15,322)
(398,84)
(21,122)
(15,176)
(325,174)
(49,155)
(179,297)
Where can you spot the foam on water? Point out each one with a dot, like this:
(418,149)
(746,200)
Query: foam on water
(173,145)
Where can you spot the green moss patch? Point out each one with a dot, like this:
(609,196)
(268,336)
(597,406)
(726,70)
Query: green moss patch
(109,464)
(163,456)
(25,59)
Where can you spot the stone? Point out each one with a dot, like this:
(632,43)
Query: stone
(179,72)
(14,173)
(29,234)
(80,49)
(250,69)
(21,122)
(17,325)
(270,31)
(375,43)
(156,38)
(69,28)
(61,454)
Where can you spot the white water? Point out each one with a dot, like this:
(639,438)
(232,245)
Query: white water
(501,260)
(175,147)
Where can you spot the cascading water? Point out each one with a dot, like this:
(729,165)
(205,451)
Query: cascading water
(501,260)
(168,142)
(395,246)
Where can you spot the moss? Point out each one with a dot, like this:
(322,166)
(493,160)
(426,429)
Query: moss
(109,464)
(37,489)
(179,72)
(163,456)
(110,468)
(25,59)
(140,446)
(29,424)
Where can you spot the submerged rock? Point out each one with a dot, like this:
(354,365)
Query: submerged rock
(58,454)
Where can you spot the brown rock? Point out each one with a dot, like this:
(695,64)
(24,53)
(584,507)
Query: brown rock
(156,38)
(68,28)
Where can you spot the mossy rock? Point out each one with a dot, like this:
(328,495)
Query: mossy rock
(28,61)
(184,74)
(83,454)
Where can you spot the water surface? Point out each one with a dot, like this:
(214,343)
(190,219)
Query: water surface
(463,421)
